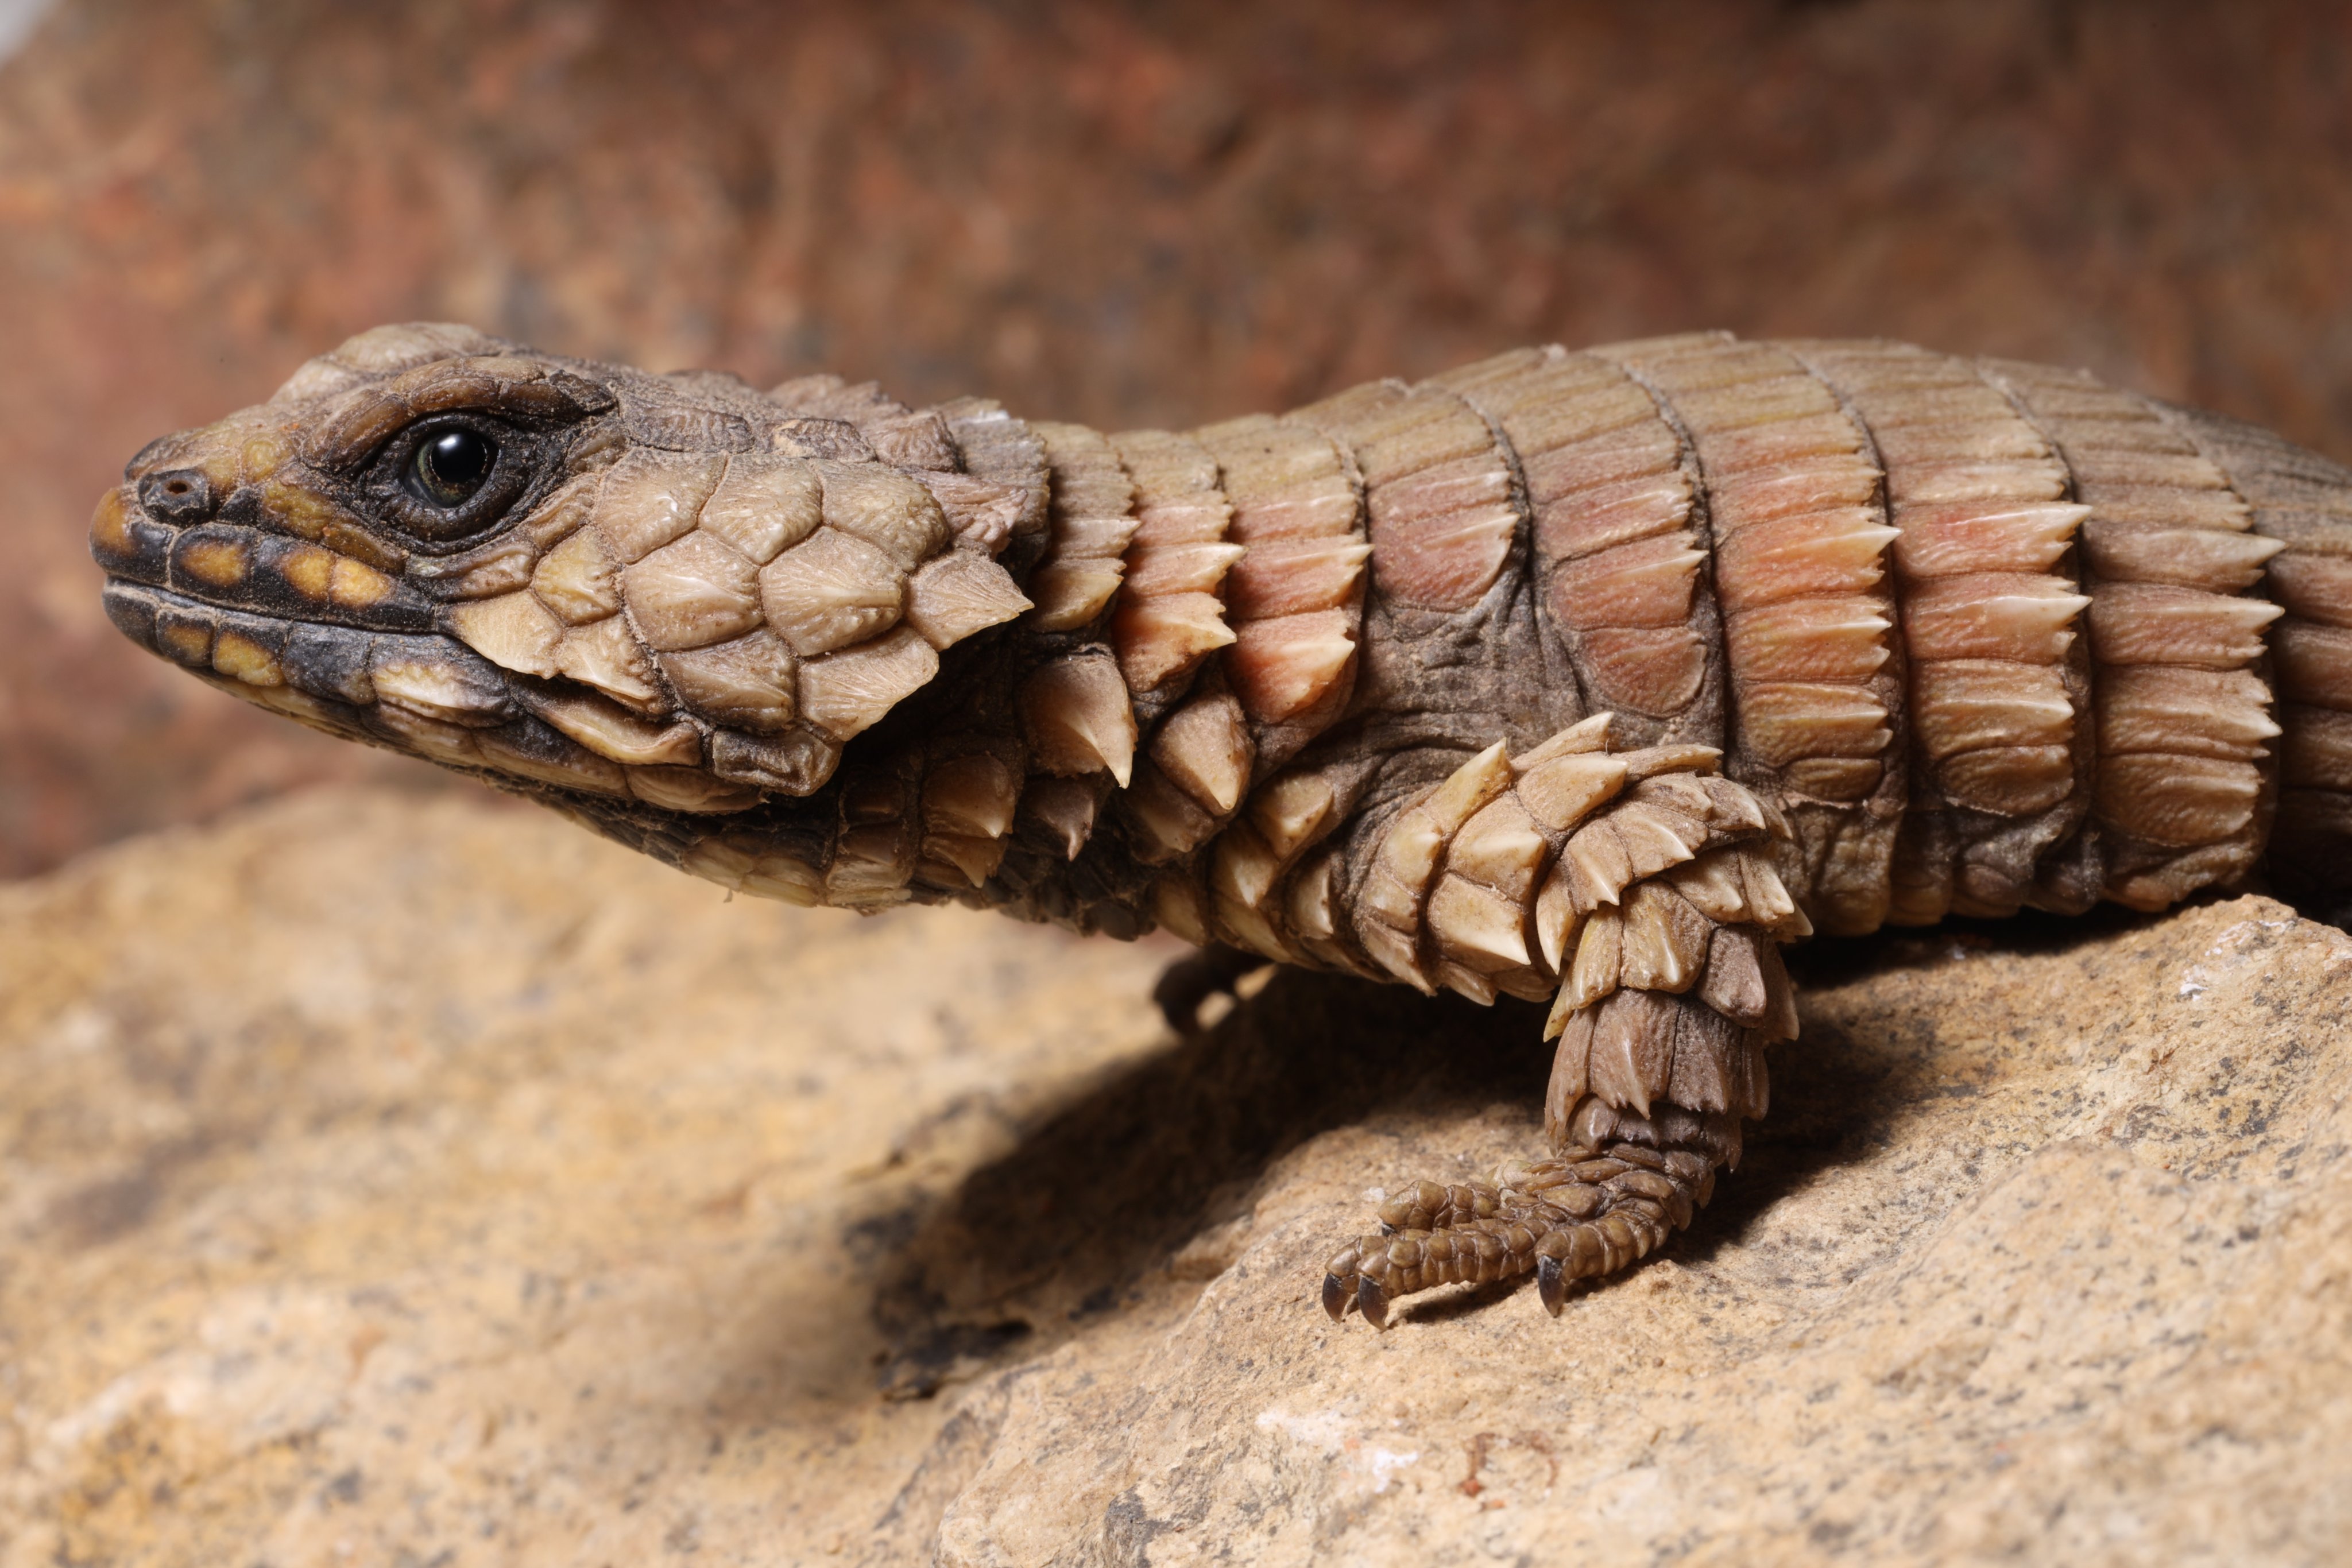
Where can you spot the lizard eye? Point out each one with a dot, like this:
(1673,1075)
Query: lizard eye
(450,478)
(451,467)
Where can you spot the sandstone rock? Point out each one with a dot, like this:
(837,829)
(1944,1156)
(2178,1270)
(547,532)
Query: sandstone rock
(405,1181)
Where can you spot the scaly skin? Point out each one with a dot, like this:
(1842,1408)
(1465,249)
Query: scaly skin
(1588,678)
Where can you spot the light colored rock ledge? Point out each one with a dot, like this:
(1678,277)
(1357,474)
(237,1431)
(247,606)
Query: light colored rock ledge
(408,1181)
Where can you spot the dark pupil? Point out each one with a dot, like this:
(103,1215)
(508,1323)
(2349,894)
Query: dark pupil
(452,465)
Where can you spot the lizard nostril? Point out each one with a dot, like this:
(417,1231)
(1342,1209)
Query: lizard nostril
(177,495)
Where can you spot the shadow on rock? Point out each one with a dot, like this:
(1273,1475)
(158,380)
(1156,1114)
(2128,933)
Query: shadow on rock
(1104,1188)
(1831,961)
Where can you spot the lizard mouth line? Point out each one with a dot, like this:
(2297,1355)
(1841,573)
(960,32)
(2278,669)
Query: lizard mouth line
(180,599)
(429,694)
(333,670)
(248,620)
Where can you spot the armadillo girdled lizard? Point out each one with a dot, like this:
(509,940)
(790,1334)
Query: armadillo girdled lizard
(1583,678)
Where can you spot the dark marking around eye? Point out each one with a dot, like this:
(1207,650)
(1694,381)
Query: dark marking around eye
(451,467)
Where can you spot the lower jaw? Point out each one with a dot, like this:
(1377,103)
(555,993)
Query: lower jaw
(322,661)
(426,694)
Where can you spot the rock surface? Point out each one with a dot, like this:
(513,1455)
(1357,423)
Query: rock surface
(398,1181)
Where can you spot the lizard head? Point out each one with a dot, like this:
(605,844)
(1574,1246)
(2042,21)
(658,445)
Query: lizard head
(654,596)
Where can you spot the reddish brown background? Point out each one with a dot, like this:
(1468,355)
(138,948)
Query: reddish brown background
(1121,214)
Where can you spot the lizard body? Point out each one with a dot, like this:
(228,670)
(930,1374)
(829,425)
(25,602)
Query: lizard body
(1584,677)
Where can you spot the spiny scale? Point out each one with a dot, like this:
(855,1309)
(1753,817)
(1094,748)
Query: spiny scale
(1588,678)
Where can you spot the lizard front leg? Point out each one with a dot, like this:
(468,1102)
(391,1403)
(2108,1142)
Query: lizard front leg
(1645,882)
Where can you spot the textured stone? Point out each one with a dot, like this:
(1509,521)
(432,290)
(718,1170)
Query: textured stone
(387,1178)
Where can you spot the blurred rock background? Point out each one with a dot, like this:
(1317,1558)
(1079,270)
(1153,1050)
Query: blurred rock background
(1123,215)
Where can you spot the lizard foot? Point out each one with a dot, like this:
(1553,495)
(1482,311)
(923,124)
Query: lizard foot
(1657,928)
(1633,1158)
(1577,1215)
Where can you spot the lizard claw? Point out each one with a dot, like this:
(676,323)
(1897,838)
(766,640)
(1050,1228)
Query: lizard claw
(1552,1284)
(1573,1217)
